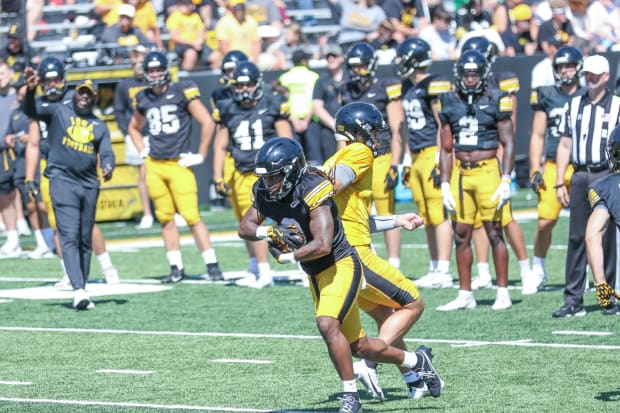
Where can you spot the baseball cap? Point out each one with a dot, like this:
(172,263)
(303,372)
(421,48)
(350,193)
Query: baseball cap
(299,55)
(596,64)
(127,10)
(15,31)
(236,4)
(522,12)
(88,84)
(333,49)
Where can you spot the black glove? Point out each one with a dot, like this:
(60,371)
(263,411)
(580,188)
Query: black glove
(536,182)
(222,188)
(436,177)
(406,175)
(107,173)
(32,190)
(391,178)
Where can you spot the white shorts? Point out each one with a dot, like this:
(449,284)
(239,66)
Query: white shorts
(132,156)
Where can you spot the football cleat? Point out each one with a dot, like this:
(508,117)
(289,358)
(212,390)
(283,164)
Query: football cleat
(462,302)
(481,281)
(40,252)
(369,378)
(111,276)
(419,389)
(502,301)
(23,228)
(81,300)
(214,272)
(427,372)
(10,251)
(350,403)
(435,279)
(530,282)
(64,282)
(175,275)
(246,281)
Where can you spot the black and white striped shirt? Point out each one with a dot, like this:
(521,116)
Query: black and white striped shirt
(588,125)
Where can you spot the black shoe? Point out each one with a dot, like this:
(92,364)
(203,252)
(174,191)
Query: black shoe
(350,403)
(214,272)
(427,372)
(611,310)
(569,310)
(175,275)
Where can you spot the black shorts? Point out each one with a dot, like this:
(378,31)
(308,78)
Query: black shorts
(6,186)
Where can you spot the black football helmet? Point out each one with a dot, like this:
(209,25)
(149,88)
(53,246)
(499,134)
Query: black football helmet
(567,55)
(471,61)
(51,68)
(229,64)
(156,60)
(361,54)
(279,165)
(246,73)
(360,122)
(613,149)
(412,54)
(483,45)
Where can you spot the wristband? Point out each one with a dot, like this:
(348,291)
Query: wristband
(558,186)
(261,232)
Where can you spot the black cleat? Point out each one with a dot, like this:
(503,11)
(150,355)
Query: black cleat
(569,310)
(175,275)
(214,272)
(350,403)
(427,372)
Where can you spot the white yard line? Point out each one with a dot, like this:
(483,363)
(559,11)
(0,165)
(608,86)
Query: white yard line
(582,333)
(125,371)
(242,361)
(16,383)
(456,343)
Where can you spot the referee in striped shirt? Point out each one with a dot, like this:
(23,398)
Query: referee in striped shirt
(588,120)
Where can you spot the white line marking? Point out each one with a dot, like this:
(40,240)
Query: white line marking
(16,383)
(242,361)
(582,333)
(3,301)
(130,404)
(518,343)
(125,371)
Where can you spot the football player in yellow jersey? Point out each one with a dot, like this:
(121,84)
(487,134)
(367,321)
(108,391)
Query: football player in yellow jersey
(390,298)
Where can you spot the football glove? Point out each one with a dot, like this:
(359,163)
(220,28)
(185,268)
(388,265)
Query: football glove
(282,257)
(190,159)
(446,196)
(222,188)
(502,193)
(391,178)
(536,182)
(285,237)
(406,175)
(604,293)
(31,189)
(436,177)
(107,173)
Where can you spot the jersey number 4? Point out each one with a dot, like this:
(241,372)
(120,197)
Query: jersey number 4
(249,136)
(163,119)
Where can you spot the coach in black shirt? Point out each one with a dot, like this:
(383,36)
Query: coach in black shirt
(588,120)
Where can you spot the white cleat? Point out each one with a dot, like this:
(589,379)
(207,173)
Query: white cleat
(435,279)
(369,378)
(40,253)
(464,301)
(146,222)
(481,281)
(10,251)
(419,389)
(111,276)
(246,281)
(531,282)
(23,228)
(64,282)
(262,282)
(81,300)
(502,302)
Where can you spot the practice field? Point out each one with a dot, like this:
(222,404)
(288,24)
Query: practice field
(198,346)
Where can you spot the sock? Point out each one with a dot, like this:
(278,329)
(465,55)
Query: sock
(253,267)
(432,266)
(12,238)
(443,266)
(38,236)
(411,359)
(466,294)
(410,377)
(48,235)
(502,292)
(349,386)
(174,258)
(483,269)
(538,262)
(394,261)
(264,268)
(525,266)
(104,260)
(209,256)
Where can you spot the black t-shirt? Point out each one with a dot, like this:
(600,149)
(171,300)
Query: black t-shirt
(549,33)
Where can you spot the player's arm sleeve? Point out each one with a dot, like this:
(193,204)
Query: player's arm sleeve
(344,174)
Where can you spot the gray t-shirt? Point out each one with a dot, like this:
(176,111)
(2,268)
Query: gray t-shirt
(356,22)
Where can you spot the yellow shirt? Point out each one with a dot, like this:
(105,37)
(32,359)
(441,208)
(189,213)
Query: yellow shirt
(189,26)
(112,16)
(355,200)
(241,36)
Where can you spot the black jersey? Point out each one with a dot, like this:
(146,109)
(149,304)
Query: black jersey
(505,81)
(475,129)
(379,93)
(312,190)
(249,127)
(417,105)
(125,101)
(169,122)
(606,192)
(219,95)
(552,101)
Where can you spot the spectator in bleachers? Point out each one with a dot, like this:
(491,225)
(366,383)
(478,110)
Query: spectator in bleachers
(146,20)
(581,24)
(439,35)
(542,73)
(293,40)
(237,31)
(518,38)
(265,12)
(407,16)
(272,43)
(187,37)
(558,27)
(120,37)
(359,19)
(104,11)
(472,16)
(34,13)
(13,51)
(605,22)
(384,43)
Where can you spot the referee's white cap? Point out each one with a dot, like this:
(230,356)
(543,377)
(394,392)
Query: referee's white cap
(596,64)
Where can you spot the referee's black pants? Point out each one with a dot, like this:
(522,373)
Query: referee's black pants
(576,258)
(74,206)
